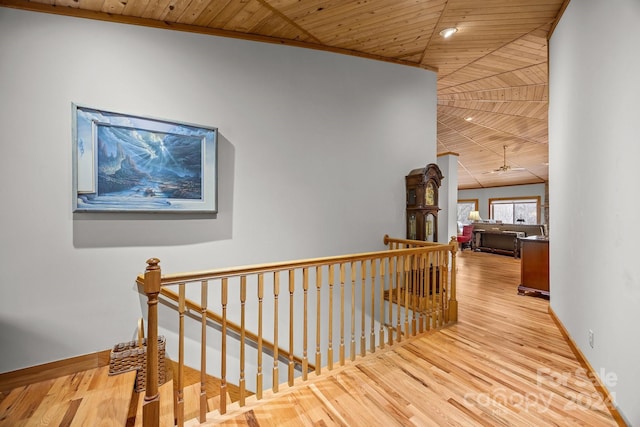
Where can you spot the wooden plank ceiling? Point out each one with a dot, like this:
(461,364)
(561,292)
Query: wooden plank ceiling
(492,74)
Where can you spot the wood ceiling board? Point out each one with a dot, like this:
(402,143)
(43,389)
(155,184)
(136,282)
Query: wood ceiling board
(334,16)
(534,110)
(409,21)
(229,14)
(157,9)
(96,5)
(531,129)
(252,15)
(210,11)
(530,93)
(480,78)
(115,7)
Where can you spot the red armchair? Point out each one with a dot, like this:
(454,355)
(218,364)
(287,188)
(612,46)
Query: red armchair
(464,239)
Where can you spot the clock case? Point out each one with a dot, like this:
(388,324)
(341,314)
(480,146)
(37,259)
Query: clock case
(422,187)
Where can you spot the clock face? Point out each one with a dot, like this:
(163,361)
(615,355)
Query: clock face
(429,195)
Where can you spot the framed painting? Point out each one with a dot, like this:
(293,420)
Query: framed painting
(125,163)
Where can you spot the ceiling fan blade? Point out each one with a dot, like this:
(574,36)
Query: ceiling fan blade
(505,167)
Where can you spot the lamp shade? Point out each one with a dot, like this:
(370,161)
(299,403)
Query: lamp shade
(474,216)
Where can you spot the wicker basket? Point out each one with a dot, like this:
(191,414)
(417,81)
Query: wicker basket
(132,355)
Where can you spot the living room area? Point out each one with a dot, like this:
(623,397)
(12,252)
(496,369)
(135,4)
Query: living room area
(509,221)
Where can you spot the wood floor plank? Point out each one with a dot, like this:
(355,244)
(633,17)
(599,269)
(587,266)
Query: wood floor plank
(21,407)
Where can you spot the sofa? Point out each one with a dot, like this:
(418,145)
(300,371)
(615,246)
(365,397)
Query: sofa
(503,238)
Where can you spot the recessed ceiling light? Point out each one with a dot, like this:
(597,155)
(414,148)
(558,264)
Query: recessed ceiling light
(448,32)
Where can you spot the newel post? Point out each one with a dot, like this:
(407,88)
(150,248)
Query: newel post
(151,407)
(453,303)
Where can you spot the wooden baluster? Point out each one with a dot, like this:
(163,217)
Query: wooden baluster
(151,407)
(243,298)
(414,294)
(330,332)
(305,324)
(434,290)
(420,291)
(291,322)
(352,342)
(180,385)
(260,350)
(363,339)
(445,283)
(399,264)
(372,335)
(203,351)
(223,352)
(318,319)
(341,314)
(453,303)
(443,286)
(407,278)
(392,279)
(276,293)
(427,290)
(381,315)
(427,285)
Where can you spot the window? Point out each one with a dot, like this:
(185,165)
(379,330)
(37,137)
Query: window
(464,207)
(520,210)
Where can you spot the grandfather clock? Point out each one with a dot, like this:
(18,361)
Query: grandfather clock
(422,203)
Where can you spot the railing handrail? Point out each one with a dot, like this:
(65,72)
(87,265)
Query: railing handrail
(413,243)
(231,325)
(177,278)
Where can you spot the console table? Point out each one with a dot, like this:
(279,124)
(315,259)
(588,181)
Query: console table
(534,267)
(501,242)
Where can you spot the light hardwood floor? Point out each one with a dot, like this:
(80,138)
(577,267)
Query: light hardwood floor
(87,398)
(504,363)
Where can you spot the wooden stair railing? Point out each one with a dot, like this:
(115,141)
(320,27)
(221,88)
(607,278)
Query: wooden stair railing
(424,300)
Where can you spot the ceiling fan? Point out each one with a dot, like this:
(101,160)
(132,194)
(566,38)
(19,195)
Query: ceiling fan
(505,167)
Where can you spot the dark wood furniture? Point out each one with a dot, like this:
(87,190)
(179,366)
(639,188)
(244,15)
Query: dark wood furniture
(422,187)
(534,267)
(503,238)
(499,242)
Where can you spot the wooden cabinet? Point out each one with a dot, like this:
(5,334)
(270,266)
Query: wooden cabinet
(422,186)
(534,267)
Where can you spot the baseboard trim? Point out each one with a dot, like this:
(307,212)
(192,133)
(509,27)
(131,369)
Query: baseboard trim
(595,380)
(59,368)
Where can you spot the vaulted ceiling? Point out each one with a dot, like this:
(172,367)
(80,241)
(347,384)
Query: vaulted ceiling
(492,73)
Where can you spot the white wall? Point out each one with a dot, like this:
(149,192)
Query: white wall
(313,152)
(448,197)
(484,194)
(593,157)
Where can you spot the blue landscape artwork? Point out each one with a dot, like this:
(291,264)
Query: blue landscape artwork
(132,163)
